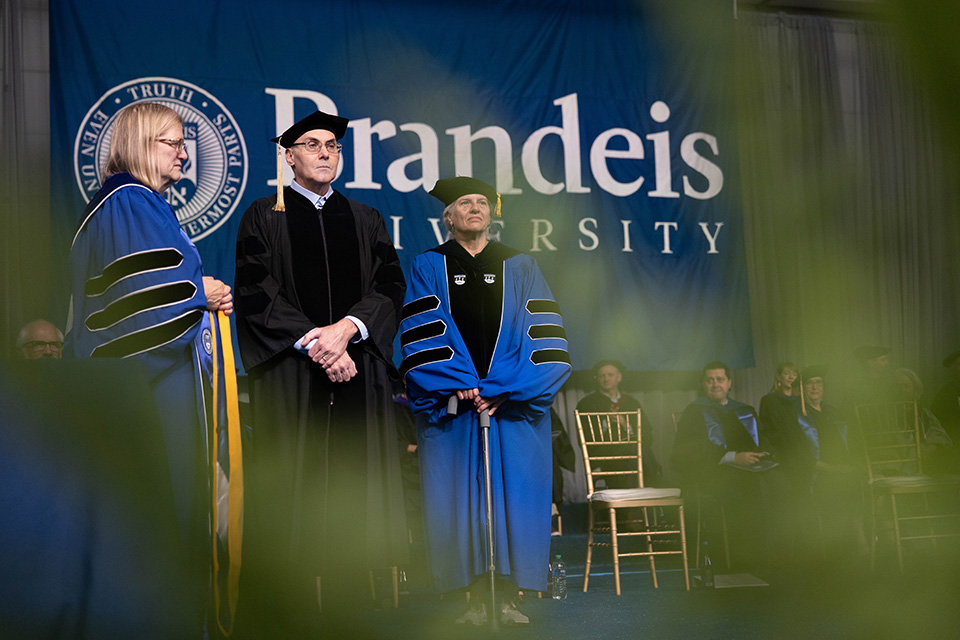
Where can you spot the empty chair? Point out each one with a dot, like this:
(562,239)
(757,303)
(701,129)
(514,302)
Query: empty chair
(611,448)
(891,433)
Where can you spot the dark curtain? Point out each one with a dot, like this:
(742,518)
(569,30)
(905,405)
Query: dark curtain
(25,244)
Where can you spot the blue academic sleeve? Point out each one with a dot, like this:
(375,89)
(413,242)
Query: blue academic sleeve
(531,362)
(436,362)
(138,284)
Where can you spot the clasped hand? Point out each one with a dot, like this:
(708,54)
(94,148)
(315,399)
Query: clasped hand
(480,402)
(330,349)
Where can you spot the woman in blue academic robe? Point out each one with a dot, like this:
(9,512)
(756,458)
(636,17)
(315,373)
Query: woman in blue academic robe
(138,292)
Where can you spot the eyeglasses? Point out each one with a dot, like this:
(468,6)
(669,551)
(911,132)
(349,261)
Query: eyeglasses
(37,345)
(176,143)
(314,146)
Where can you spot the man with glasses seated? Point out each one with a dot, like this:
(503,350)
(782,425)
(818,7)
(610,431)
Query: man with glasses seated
(319,292)
(40,340)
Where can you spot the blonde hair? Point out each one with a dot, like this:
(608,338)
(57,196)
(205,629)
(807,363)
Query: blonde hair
(783,366)
(133,142)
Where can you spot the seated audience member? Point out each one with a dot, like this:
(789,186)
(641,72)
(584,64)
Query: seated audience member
(608,375)
(874,379)
(837,468)
(720,449)
(946,404)
(778,424)
(937,446)
(40,340)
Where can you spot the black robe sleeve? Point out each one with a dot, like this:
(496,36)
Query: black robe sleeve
(379,308)
(269,319)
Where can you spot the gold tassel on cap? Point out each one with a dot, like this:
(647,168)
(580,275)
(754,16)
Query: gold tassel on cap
(280,206)
(496,210)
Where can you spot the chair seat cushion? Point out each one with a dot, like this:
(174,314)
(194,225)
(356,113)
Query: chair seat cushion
(903,481)
(650,493)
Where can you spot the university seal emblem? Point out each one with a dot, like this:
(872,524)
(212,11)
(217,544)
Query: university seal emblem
(213,177)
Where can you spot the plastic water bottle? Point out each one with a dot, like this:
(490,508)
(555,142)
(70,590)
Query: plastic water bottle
(558,574)
(706,568)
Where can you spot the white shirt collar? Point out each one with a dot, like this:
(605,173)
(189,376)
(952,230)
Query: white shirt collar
(315,199)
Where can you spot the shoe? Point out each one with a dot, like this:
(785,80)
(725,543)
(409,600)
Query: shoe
(476,615)
(510,615)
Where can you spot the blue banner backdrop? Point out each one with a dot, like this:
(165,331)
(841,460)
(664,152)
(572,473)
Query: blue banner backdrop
(613,149)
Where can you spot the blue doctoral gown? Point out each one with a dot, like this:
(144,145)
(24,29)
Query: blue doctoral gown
(137,292)
(528,363)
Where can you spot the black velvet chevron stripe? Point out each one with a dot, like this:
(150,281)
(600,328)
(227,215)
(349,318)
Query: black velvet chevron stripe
(543,306)
(427,356)
(131,265)
(544,356)
(420,305)
(541,331)
(150,338)
(423,332)
(140,301)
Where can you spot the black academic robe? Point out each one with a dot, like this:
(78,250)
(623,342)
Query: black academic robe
(784,433)
(699,447)
(946,406)
(325,483)
(755,503)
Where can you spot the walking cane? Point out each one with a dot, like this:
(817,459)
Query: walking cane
(488,493)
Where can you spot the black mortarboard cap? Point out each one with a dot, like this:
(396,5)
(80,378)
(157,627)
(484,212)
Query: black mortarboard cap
(814,371)
(316,120)
(869,352)
(449,189)
(950,359)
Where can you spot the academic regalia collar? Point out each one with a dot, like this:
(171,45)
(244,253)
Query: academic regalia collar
(493,253)
(732,405)
(110,186)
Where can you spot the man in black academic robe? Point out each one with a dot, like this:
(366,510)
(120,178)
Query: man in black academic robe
(722,455)
(319,293)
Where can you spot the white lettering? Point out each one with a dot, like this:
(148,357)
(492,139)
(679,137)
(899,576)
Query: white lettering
(590,234)
(660,112)
(429,159)
(362,150)
(396,232)
(542,235)
(569,134)
(626,236)
(439,231)
(503,152)
(711,239)
(701,165)
(495,235)
(598,161)
(666,234)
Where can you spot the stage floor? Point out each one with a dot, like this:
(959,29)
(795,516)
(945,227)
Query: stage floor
(821,603)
